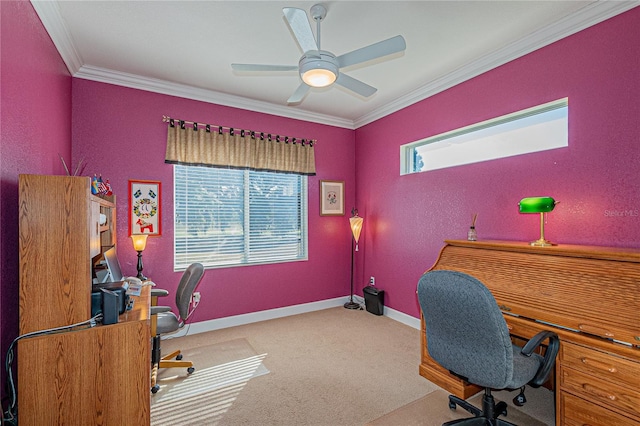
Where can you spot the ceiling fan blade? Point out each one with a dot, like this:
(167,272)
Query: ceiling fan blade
(259,67)
(373,51)
(299,94)
(356,86)
(299,23)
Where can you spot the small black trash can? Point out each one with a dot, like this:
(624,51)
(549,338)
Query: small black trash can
(374,300)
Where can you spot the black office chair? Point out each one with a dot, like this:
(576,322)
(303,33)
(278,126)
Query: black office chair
(467,334)
(164,321)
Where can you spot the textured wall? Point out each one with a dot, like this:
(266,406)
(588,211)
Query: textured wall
(596,179)
(35,122)
(119,132)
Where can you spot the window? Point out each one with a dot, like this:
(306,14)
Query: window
(226,217)
(535,129)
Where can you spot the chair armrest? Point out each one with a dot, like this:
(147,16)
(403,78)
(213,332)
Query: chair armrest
(157,292)
(549,355)
(159,309)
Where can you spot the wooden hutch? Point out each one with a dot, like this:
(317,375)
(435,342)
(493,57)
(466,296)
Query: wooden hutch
(86,376)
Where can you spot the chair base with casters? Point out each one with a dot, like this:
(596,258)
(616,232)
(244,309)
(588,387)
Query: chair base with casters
(174,359)
(487,416)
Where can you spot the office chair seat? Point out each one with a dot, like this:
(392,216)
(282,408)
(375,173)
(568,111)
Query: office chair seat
(167,322)
(524,368)
(467,334)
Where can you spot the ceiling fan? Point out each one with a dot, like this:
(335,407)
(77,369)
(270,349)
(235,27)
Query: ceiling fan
(321,68)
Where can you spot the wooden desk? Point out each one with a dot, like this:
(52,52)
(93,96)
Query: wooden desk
(590,296)
(95,376)
(92,376)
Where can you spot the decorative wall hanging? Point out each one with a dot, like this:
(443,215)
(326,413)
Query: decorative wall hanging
(144,207)
(331,198)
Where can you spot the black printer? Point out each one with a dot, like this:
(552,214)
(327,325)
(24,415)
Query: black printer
(120,288)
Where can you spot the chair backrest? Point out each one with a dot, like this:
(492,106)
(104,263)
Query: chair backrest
(466,332)
(188,284)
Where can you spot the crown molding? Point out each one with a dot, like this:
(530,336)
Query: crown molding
(588,16)
(133,81)
(592,14)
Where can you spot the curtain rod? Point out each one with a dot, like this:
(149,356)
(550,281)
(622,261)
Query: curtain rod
(167,119)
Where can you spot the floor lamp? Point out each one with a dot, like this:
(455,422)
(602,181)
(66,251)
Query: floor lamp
(355,222)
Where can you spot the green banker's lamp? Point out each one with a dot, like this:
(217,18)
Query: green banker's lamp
(540,205)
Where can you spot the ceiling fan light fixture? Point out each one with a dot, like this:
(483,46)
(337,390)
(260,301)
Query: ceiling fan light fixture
(318,70)
(319,77)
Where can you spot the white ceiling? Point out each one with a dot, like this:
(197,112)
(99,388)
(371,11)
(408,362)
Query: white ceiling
(185,48)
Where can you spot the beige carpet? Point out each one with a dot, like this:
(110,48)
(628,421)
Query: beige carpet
(433,410)
(222,370)
(334,367)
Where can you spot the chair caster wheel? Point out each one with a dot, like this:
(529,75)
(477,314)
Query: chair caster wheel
(501,408)
(155,389)
(190,370)
(179,357)
(452,405)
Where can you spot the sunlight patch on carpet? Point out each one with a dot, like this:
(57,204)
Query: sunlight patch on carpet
(222,371)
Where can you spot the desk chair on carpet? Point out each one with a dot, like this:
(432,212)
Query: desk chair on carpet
(467,334)
(164,321)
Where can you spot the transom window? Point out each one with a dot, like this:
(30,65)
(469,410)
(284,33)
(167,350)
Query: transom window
(227,217)
(540,128)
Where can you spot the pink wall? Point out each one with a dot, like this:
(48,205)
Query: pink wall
(120,134)
(35,123)
(596,179)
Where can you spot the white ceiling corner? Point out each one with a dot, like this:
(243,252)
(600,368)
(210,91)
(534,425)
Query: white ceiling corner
(88,36)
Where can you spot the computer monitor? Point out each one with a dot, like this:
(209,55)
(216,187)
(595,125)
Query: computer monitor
(113,265)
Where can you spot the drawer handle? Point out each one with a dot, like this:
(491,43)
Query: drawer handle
(595,330)
(598,392)
(599,365)
(504,308)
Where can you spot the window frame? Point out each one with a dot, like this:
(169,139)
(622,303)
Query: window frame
(302,213)
(407,151)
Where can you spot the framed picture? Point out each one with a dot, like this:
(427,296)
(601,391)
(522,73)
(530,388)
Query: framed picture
(331,198)
(145,207)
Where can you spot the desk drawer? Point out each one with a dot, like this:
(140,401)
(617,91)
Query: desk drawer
(577,412)
(601,365)
(618,397)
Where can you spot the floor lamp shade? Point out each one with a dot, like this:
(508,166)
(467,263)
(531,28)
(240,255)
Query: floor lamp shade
(356,227)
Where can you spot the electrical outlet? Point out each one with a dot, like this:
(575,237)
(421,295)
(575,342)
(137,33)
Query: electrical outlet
(196,297)
(372,281)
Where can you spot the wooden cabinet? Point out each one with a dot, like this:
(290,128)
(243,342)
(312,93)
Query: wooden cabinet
(608,380)
(97,375)
(588,296)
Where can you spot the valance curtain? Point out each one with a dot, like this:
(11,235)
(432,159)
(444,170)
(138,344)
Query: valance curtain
(206,145)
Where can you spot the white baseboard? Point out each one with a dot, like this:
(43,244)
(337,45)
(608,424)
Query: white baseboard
(220,323)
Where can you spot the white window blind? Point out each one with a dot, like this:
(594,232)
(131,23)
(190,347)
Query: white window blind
(226,217)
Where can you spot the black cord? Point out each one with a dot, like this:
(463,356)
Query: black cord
(10,415)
